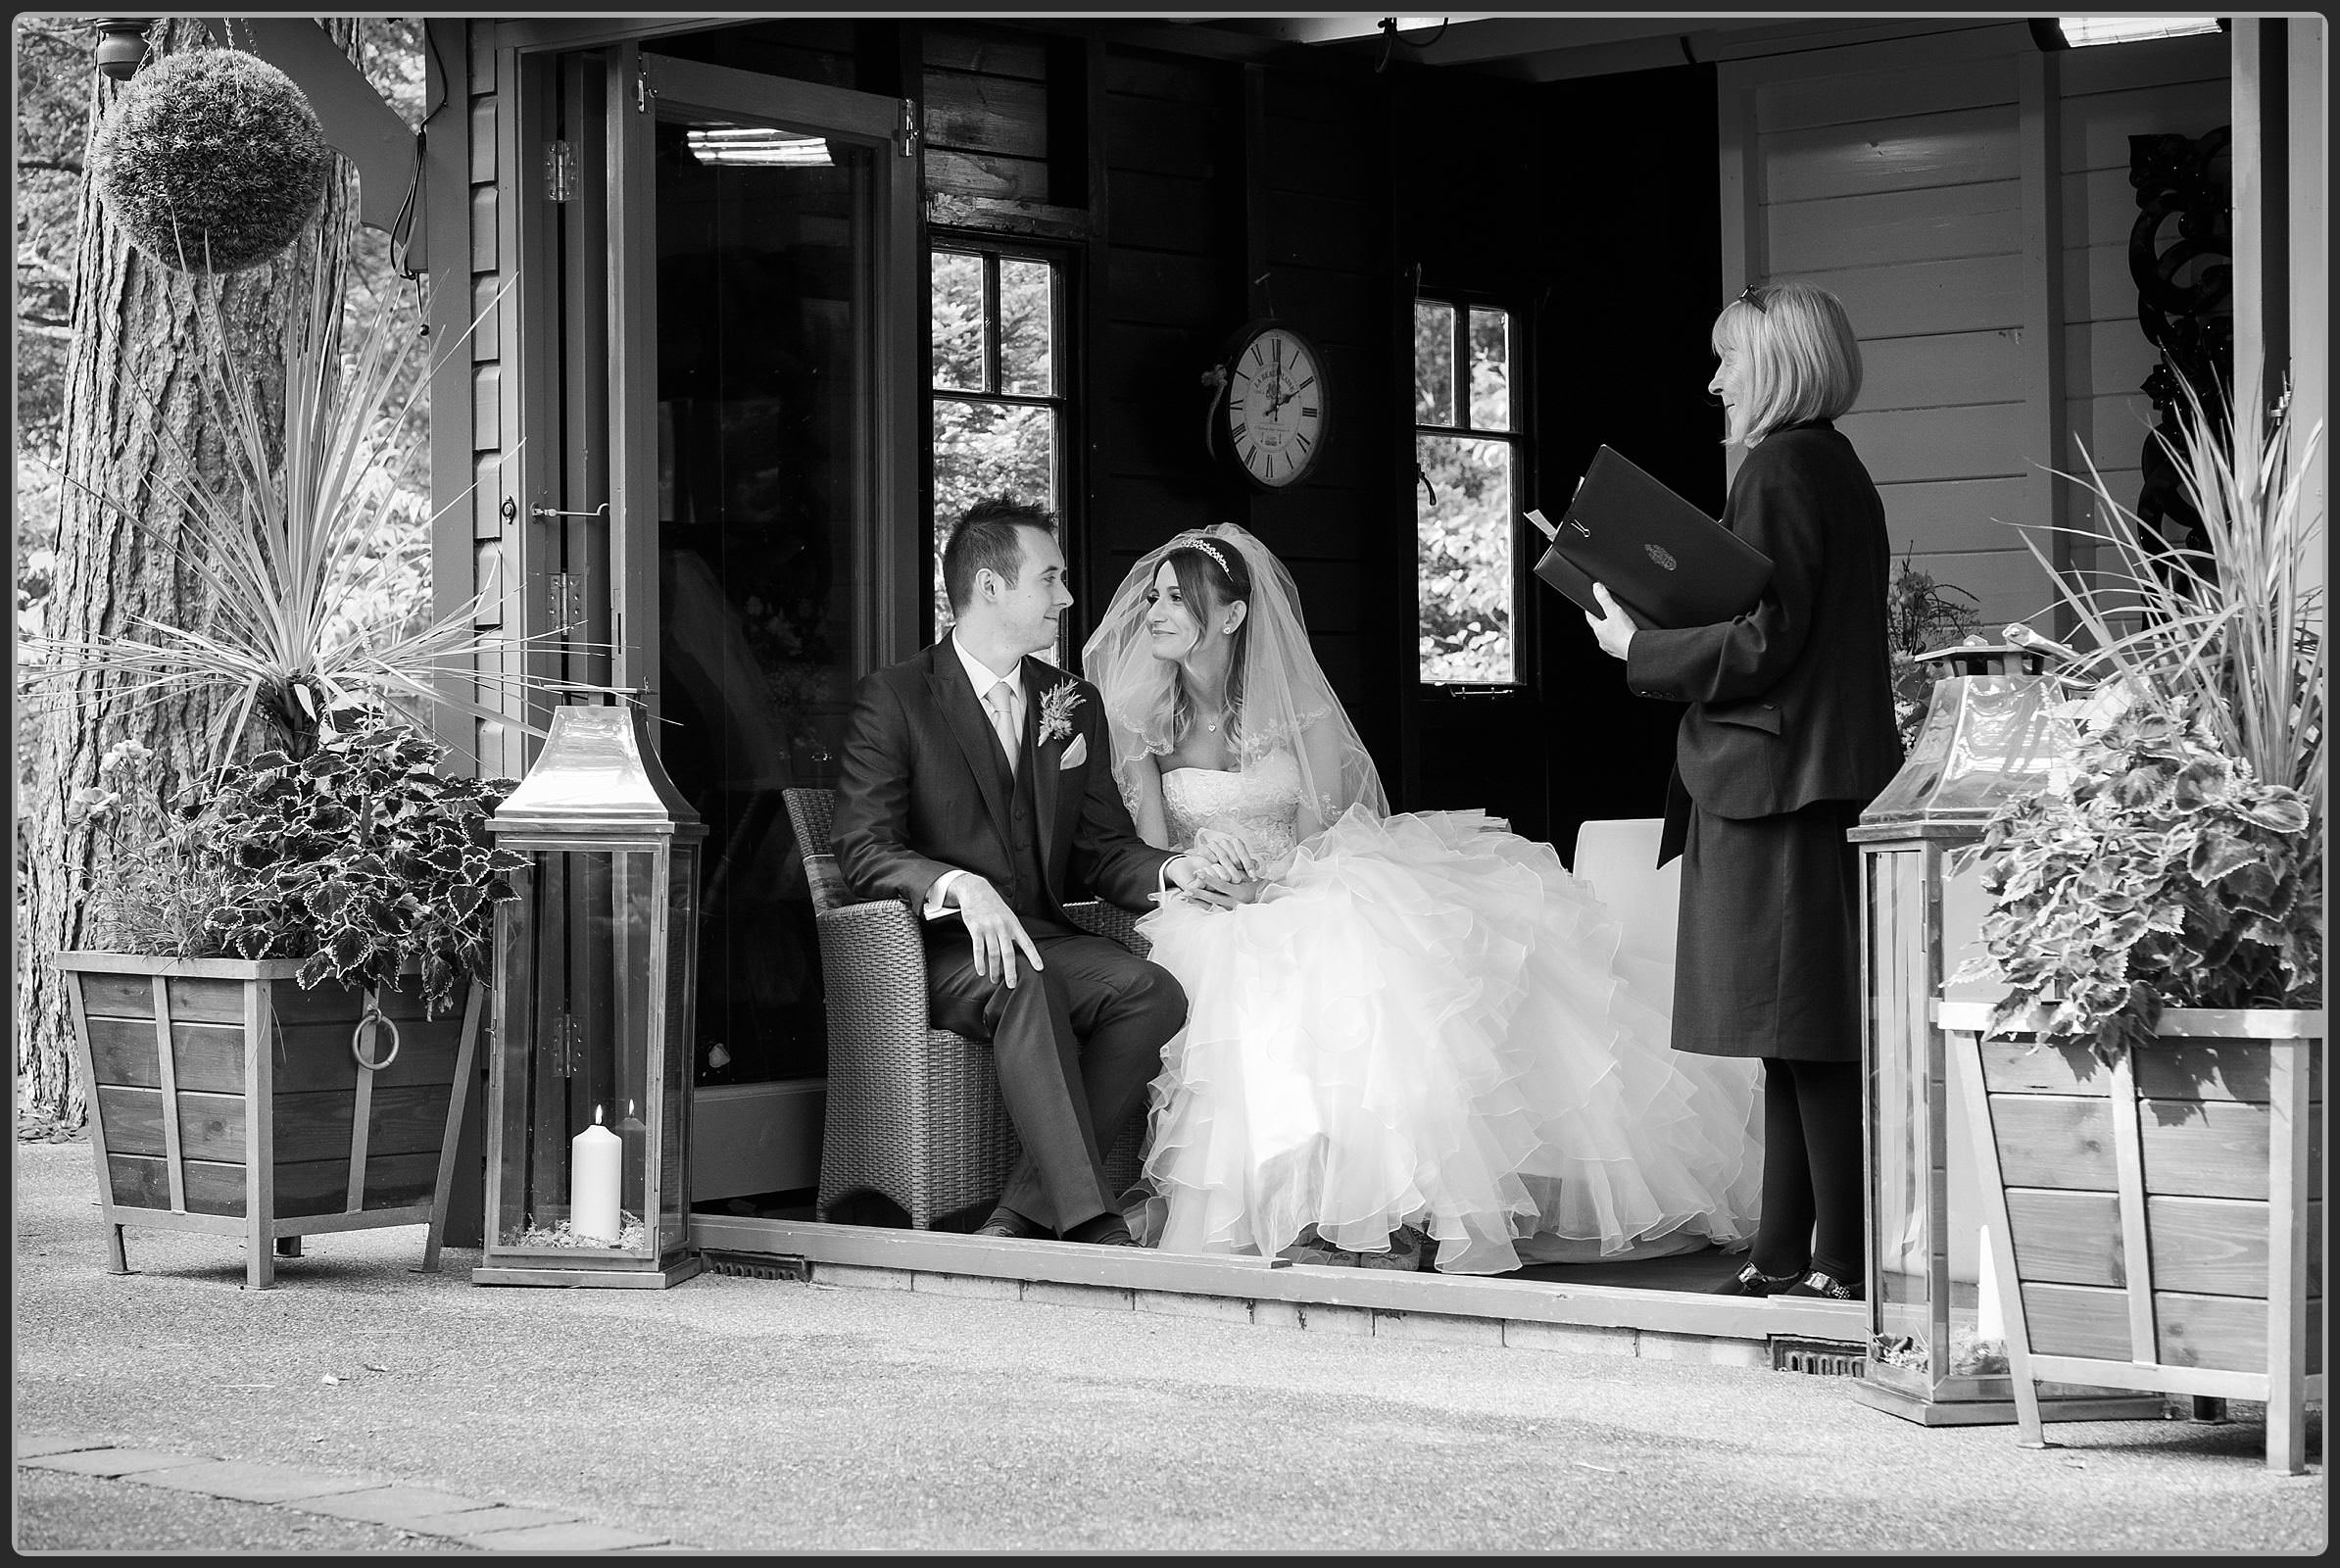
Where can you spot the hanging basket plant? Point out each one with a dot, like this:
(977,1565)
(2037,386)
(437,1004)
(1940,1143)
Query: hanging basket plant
(212,161)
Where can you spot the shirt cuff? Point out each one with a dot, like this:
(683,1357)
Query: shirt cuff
(936,908)
(1161,877)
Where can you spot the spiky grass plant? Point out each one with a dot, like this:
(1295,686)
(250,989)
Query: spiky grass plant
(2185,867)
(2233,632)
(299,624)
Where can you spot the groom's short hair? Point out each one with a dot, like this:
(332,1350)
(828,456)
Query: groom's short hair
(989,534)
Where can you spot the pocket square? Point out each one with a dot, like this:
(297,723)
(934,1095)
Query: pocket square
(1074,755)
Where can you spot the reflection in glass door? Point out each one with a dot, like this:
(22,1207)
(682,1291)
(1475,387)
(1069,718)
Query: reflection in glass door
(773,237)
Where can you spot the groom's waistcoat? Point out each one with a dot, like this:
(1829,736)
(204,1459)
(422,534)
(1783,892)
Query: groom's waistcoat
(1029,896)
(924,787)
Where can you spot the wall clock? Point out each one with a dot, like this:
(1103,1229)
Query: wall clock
(1271,415)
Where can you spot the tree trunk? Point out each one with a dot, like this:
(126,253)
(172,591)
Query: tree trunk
(127,379)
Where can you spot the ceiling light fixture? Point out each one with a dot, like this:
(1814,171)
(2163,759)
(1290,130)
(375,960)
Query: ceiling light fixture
(2080,33)
(757,146)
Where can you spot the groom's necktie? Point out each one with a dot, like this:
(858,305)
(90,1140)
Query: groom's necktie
(1001,703)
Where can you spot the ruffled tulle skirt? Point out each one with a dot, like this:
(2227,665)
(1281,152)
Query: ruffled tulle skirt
(1428,1021)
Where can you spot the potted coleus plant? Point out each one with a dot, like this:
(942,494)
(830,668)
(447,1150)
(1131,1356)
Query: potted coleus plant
(2147,1092)
(285,1011)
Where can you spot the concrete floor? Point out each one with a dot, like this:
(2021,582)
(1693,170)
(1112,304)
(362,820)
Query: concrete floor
(741,1414)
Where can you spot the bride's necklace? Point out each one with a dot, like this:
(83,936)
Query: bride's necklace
(1211,725)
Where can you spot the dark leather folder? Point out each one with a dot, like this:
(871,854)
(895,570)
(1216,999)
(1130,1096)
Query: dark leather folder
(1665,560)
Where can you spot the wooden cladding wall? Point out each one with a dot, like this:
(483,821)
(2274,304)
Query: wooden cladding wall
(984,115)
(468,266)
(1235,193)
(1966,197)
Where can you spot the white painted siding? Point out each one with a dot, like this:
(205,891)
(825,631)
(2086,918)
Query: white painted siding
(1926,194)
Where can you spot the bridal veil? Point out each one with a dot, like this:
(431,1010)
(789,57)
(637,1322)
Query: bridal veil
(1286,699)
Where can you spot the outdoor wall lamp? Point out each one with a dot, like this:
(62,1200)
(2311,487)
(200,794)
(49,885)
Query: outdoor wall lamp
(121,45)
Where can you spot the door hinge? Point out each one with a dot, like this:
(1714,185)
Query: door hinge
(566,604)
(908,134)
(560,171)
(566,1041)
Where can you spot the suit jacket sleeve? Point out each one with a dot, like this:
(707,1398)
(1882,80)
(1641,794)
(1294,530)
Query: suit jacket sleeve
(1108,855)
(1777,507)
(869,832)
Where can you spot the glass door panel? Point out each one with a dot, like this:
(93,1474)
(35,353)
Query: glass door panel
(763,288)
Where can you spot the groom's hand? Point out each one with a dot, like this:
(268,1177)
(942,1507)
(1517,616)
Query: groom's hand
(993,928)
(1204,883)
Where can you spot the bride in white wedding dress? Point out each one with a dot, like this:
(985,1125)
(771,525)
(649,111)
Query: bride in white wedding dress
(1420,1028)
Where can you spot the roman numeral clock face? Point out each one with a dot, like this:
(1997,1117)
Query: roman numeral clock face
(1274,410)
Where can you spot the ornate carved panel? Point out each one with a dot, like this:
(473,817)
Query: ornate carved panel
(2178,253)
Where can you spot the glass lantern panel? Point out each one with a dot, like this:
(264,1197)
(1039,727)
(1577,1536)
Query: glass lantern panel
(682,984)
(1988,739)
(576,1081)
(1901,1164)
(515,1030)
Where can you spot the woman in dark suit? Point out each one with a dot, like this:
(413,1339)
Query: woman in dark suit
(1788,735)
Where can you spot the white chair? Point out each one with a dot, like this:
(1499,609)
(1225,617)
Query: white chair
(1618,859)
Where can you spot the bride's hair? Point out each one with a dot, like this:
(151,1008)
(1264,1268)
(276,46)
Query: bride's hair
(1210,577)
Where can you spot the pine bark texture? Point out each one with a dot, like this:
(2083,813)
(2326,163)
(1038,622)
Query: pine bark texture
(130,375)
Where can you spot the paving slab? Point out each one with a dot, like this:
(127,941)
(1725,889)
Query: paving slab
(574,1537)
(398,1505)
(247,1482)
(114,1461)
(32,1447)
(490,1520)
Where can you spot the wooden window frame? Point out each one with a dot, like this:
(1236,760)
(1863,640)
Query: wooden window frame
(1065,351)
(1518,437)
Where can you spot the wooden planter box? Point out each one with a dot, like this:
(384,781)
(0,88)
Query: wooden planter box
(2159,1223)
(175,1051)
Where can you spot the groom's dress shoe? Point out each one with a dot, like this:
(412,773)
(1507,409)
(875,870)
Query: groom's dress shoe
(1106,1230)
(1007,1224)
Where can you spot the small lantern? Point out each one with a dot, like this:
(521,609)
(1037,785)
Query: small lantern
(1996,731)
(121,45)
(588,1122)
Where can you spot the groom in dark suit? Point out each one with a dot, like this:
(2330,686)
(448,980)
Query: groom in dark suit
(977,787)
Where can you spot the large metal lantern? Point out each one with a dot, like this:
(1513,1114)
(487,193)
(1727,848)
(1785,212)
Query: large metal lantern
(1996,731)
(588,1123)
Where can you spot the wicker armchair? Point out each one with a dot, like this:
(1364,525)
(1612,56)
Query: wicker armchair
(913,1112)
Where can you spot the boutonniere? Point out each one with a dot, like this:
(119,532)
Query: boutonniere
(1056,706)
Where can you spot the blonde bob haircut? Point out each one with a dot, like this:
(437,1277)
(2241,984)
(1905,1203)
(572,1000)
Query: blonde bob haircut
(1798,356)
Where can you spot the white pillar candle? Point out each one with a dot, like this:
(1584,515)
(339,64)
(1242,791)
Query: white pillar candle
(594,1157)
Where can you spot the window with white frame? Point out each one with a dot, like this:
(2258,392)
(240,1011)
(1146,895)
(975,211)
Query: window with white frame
(1467,453)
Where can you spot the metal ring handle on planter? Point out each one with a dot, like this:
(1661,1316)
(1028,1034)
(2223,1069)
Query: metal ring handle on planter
(373,1016)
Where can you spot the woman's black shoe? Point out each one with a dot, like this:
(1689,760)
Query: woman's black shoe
(1825,1285)
(1752,1281)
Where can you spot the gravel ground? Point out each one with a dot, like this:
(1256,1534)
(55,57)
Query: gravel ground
(740,1414)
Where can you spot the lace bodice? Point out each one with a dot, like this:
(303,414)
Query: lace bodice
(1263,803)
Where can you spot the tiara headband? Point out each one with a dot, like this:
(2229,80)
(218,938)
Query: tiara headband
(1195,541)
